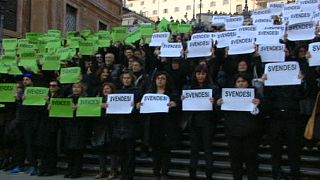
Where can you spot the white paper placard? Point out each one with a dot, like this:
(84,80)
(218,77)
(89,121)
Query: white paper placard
(219,20)
(314,49)
(309,5)
(280,74)
(154,103)
(262,12)
(291,8)
(272,52)
(247,31)
(223,38)
(197,100)
(201,36)
(316,17)
(276,8)
(233,23)
(159,38)
(171,50)
(237,99)
(300,17)
(263,21)
(268,36)
(301,31)
(241,46)
(199,48)
(120,103)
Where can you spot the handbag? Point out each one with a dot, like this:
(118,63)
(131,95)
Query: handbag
(309,130)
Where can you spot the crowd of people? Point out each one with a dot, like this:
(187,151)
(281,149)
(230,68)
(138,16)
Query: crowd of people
(28,133)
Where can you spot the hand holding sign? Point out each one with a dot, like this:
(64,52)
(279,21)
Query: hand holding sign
(279,74)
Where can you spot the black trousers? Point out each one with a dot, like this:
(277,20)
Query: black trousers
(201,137)
(161,159)
(125,150)
(285,128)
(30,136)
(20,148)
(74,159)
(48,158)
(243,150)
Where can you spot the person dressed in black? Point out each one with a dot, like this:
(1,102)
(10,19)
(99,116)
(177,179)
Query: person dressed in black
(162,126)
(123,131)
(48,133)
(74,135)
(242,131)
(202,123)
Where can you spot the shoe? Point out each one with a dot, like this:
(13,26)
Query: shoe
(113,174)
(100,175)
(16,170)
(33,171)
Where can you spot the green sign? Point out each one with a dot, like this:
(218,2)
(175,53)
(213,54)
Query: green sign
(10,52)
(119,33)
(29,60)
(184,28)
(146,30)
(70,75)
(73,42)
(87,47)
(10,43)
(89,107)
(64,54)
(61,107)
(2,106)
(163,25)
(174,27)
(35,96)
(55,33)
(51,63)
(7,92)
(85,32)
(54,43)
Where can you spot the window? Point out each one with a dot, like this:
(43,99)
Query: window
(239,8)
(212,4)
(176,9)
(164,0)
(10,14)
(225,2)
(188,7)
(142,3)
(102,26)
(153,1)
(154,12)
(165,11)
(71,18)
(130,5)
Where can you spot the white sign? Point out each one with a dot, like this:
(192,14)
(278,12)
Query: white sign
(171,49)
(275,8)
(155,103)
(316,16)
(233,23)
(199,48)
(159,38)
(268,37)
(197,100)
(237,99)
(223,38)
(272,52)
(241,46)
(201,36)
(285,73)
(291,8)
(120,103)
(309,5)
(262,12)
(263,21)
(247,31)
(281,28)
(300,17)
(314,49)
(219,20)
(301,31)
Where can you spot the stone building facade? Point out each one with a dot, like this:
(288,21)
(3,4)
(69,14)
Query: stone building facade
(23,16)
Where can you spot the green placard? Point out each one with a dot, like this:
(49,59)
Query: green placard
(71,34)
(85,32)
(32,36)
(133,37)
(4,68)
(2,106)
(29,60)
(163,25)
(14,70)
(51,63)
(55,33)
(104,35)
(73,42)
(35,96)
(89,107)
(104,43)
(10,43)
(53,43)
(174,27)
(87,47)
(184,28)
(64,54)
(10,52)
(61,107)
(146,30)
(7,92)
(119,33)
(70,75)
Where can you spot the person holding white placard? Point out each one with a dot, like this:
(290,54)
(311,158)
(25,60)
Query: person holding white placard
(242,130)
(202,123)
(124,131)
(162,125)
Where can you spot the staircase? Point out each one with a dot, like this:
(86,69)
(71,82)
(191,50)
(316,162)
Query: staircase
(180,161)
